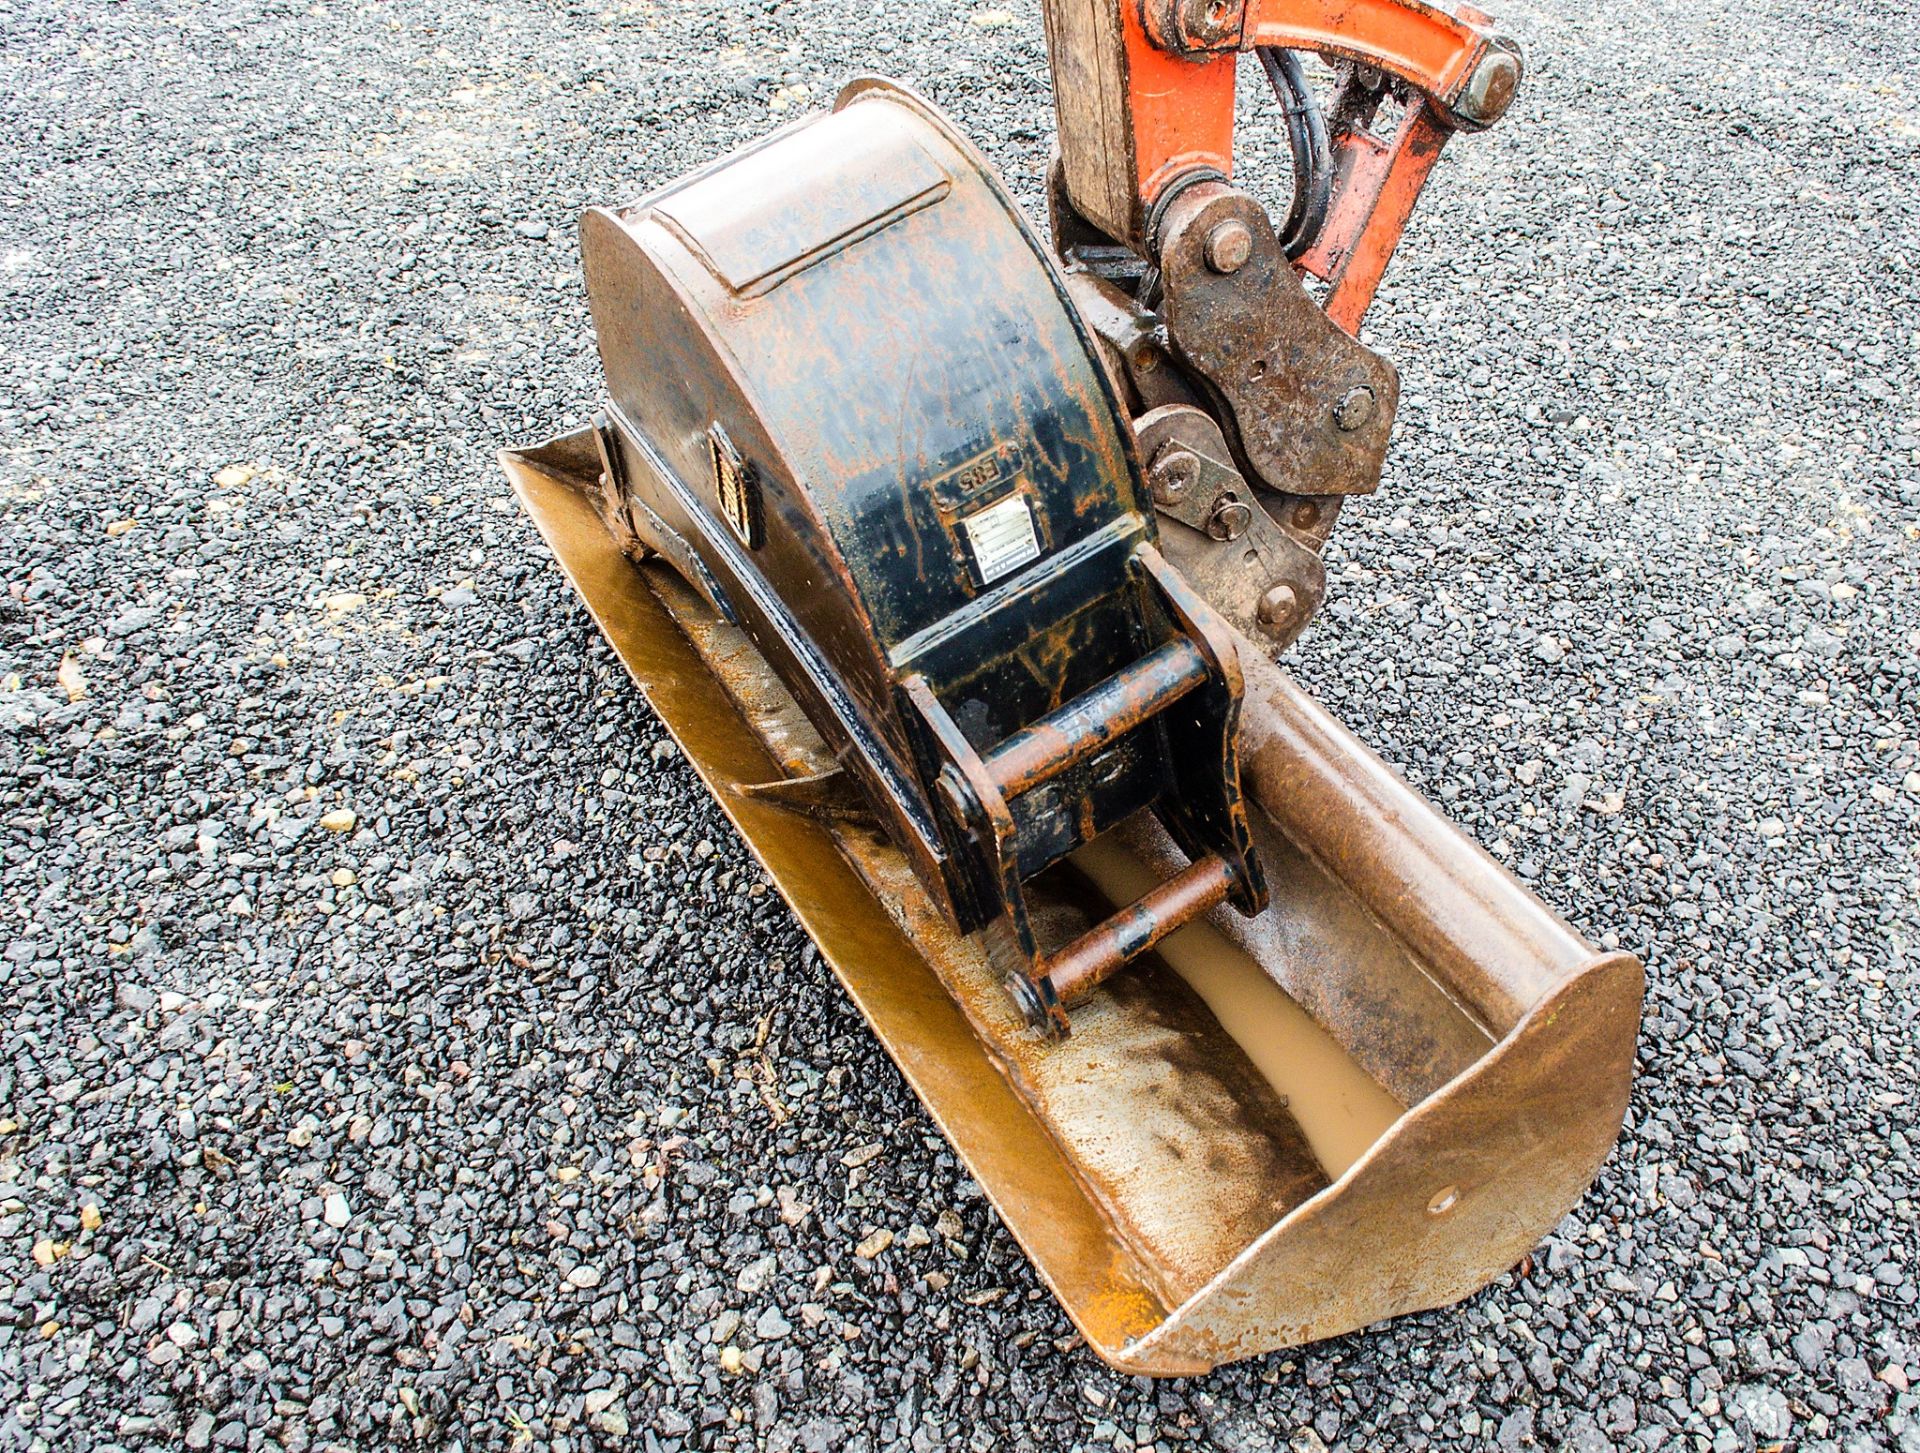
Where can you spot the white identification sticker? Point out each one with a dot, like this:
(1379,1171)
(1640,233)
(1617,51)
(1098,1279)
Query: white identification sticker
(1002,537)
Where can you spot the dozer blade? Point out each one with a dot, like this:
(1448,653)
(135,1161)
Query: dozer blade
(1370,1099)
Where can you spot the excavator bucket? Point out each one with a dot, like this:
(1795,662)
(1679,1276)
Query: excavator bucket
(1244,1042)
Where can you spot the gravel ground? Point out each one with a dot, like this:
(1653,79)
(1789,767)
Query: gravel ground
(387,1012)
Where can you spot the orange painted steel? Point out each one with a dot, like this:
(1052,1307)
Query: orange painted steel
(1379,182)
(1180,94)
(1182,108)
(1182,97)
(1423,45)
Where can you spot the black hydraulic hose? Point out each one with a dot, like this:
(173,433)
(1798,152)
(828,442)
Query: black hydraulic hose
(1312,153)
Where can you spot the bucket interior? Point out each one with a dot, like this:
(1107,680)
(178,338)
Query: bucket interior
(1365,1100)
(1198,1099)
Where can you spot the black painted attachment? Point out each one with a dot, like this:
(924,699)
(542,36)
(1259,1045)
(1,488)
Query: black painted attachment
(850,401)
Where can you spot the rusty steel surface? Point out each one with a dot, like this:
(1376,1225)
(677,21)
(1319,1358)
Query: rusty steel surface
(1077,730)
(1267,579)
(1097,954)
(1199,303)
(1454,1060)
(1288,375)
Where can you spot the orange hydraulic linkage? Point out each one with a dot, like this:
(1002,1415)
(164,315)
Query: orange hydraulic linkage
(1145,91)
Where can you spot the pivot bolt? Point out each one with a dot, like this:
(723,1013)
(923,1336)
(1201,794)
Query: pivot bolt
(1278,607)
(1173,474)
(1489,91)
(1229,246)
(1202,23)
(1354,409)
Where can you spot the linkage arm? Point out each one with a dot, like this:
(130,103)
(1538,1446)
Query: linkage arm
(1145,93)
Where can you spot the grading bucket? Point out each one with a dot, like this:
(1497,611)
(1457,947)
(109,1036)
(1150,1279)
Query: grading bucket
(1370,1099)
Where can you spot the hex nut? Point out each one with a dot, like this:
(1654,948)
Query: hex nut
(1173,474)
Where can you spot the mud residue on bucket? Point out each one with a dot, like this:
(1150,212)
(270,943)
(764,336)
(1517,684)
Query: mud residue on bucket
(1340,1109)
